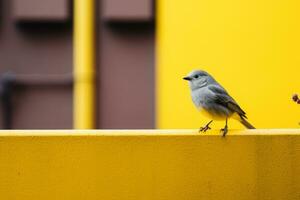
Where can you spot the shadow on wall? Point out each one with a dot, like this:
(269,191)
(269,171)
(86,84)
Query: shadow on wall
(135,28)
(44,29)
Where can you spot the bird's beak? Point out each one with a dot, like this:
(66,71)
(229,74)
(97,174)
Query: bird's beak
(187,78)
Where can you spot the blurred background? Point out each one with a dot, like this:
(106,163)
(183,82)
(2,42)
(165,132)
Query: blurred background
(141,50)
(36,64)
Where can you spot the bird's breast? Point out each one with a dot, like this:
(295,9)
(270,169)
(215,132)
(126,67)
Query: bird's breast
(204,101)
(210,114)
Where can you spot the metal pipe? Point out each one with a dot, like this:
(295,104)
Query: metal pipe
(84,62)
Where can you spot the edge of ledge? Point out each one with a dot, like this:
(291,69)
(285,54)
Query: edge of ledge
(145,132)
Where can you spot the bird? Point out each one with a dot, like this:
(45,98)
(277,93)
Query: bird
(213,100)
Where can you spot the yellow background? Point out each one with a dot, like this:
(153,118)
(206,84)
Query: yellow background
(251,47)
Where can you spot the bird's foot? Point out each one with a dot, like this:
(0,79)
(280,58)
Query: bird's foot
(205,128)
(224,131)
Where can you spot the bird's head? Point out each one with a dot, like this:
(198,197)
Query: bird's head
(198,79)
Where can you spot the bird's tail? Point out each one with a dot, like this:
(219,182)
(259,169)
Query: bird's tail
(246,123)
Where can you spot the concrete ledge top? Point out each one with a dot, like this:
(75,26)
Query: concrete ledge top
(149,132)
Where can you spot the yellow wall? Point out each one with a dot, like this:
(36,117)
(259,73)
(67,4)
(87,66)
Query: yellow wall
(250,46)
(149,165)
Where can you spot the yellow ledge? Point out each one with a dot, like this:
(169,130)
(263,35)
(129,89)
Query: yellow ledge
(149,164)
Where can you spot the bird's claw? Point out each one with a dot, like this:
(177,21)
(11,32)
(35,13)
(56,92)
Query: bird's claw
(204,129)
(224,131)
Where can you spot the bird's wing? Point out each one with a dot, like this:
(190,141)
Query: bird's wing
(223,98)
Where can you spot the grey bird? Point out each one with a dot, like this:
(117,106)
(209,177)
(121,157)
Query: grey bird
(213,100)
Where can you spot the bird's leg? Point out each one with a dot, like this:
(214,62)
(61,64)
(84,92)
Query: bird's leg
(225,129)
(205,128)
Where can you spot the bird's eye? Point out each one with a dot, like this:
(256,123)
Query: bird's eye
(196,76)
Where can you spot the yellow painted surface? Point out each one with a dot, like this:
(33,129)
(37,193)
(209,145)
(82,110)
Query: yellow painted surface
(251,47)
(154,165)
(84,63)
